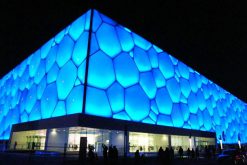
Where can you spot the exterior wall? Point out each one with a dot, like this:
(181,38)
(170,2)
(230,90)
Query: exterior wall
(131,79)
(128,78)
(49,83)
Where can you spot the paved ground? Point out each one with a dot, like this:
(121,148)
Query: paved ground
(26,159)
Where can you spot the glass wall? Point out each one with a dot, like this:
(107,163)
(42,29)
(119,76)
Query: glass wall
(202,142)
(96,138)
(180,141)
(27,140)
(147,142)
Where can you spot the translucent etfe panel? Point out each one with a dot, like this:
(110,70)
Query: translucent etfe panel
(44,85)
(132,79)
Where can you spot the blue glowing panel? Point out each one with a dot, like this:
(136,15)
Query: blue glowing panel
(40,72)
(126,70)
(137,104)
(176,115)
(51,58)
(116,97)
(31,98)
(77,27)
(100,65)
(80,49)
(74,100)
(35,113)
(108,40)
(173,89)
(122,116)
(97,103)
(160,81)
(34,63)
(166,65)
(125,39)
(148,85)
(60,109)
(52,74)
(48,101)
(66,79)
(46,48)
(163,101)
(153,57)
(64,51)
(141,60)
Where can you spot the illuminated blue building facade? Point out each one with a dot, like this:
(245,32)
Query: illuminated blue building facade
(127,78)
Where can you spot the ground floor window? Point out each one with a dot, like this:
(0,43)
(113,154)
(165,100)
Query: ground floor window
(147,142)
(30,140)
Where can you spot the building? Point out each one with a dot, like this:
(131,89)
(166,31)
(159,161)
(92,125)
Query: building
(99,80)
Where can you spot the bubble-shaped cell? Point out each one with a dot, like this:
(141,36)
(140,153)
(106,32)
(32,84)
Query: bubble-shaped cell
(154,107)
(51,57)
(77,27)
(21,68)
(74,100)
(97,103)
(115,95)
(60,109)
(173,89)
(176,115)
(80,49)
(24,117)
(64,52)
(35,113)
(40,72)
(164,120)
(183,70)
(193,82)
(192,103)
(108,40)
(137,103)
(125,39)
(216,117)
(94,47)
(66,79)
(200,118)
(107,20)
(160,81)
(100,68)
(185,111)
(141,60)
(207,120)
(77,82)
(46,48)
(34,63)
(22,103)
(185,87)
(81,71)
(31,98)
(153,116)
(153,57)
(201,100)
(148,84)
(194,122)
(58,38)
(41,87)
(96,21)
(122,116)
(163,101)
(141,42)
(148,120)
(52,74)
(174,60)
(48,101)
(127,73)
(166,65)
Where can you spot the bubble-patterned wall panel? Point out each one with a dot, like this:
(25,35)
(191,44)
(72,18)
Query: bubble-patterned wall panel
(128,78)
(131,79)
(50,82)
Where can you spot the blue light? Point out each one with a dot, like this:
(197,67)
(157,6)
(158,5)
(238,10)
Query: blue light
(126,71)
(100,65)
(129,79)
(97,103)
(136,103)
(66,79)
(108,40)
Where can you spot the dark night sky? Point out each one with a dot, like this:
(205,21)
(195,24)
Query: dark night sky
(208,35)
